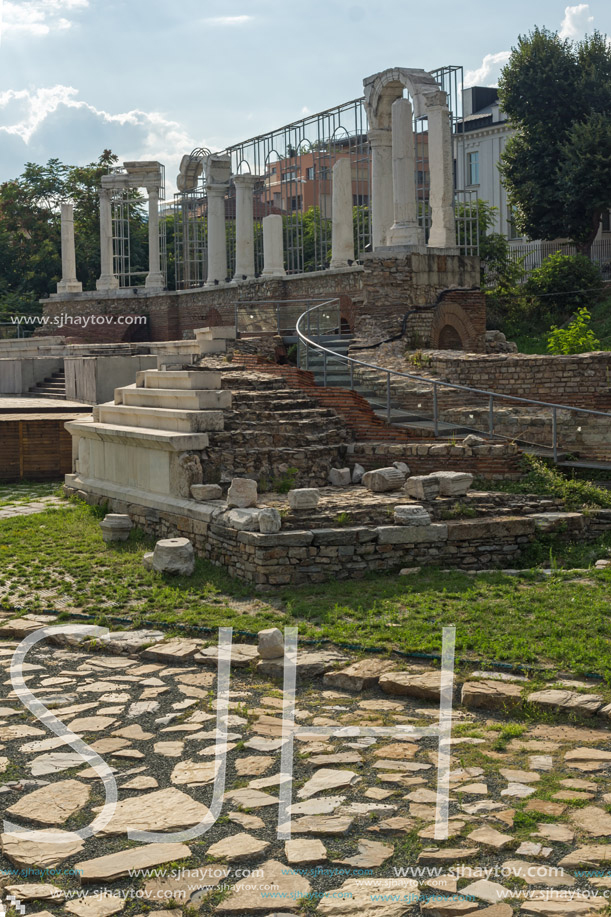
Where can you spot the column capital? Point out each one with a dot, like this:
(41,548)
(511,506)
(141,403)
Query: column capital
(217,189)
(380,136)
(246,179)
(437,99)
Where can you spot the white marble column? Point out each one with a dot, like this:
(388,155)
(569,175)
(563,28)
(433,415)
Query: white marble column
(68,283)
(380,140)
(154,279)
(244,227)
(342,232)
(443,226)
(273,246)
(405,230)
(107,279)
(217,241)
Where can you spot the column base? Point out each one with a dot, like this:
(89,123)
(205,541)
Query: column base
(241,277)
(107,282)
(274,275)
(405,234)
(70,286)
(154,281)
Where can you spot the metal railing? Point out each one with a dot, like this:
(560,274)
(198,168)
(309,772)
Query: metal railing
(303,328)
(21,331)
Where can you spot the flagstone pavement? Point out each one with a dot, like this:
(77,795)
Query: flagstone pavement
(529,795)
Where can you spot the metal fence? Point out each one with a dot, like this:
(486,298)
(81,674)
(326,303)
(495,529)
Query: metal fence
(294,164)
(533,254)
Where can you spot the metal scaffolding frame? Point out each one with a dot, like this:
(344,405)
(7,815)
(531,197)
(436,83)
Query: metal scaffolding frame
(124,203)
(294,163)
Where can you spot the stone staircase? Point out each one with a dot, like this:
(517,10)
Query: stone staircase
(53,386)
(179,425)
(272,428)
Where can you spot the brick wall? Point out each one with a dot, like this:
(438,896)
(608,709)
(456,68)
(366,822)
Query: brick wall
(582,380)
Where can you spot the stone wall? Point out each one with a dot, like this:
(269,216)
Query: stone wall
(582,380)
(394,285)
(317,555)
(374,297)
(499,461)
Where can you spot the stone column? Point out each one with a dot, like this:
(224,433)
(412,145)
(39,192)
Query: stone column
(68,283)
(443,227)
(273,246)
(380,140)
(107,279)
(244,227)
(342,232)
(154,279)
(405,229)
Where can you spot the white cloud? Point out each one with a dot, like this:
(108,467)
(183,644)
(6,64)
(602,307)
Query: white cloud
(576,22)
(488,73)
(53,121)
(228,20)
(37,17)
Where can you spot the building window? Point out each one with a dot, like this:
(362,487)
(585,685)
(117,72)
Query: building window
(512,231)
(310,173)
(289,175)
(606,221)
(473,168)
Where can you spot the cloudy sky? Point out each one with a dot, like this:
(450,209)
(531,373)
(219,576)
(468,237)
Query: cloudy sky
(152,79)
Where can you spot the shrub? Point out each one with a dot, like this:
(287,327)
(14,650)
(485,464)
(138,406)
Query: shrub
(564,283)
(577,337)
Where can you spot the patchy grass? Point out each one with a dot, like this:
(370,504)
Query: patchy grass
(542,478)
(58,560)
(27,492)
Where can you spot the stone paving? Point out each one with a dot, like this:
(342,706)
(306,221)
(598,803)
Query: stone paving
(27,509)
(529,800)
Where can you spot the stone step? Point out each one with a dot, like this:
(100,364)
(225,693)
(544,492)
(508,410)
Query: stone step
(159,418)
(297,426)
(180,398)
(146,437)
(214,346)
(182,379)
(294,439)
(215,333)
(263,416)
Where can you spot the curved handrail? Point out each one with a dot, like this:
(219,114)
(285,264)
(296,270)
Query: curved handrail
(352,361)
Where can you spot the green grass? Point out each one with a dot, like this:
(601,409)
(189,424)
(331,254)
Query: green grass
(560,620)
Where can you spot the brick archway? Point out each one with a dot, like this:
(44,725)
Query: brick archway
(347,309)
(212,318)
(452,329)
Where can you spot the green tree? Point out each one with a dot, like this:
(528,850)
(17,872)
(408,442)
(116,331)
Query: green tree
(557,166)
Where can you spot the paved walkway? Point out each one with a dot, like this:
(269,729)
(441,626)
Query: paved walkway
(27,509)
(526,799)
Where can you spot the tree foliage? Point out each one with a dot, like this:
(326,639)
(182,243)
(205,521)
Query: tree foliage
(30,230)
(577,337)
(557,166)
